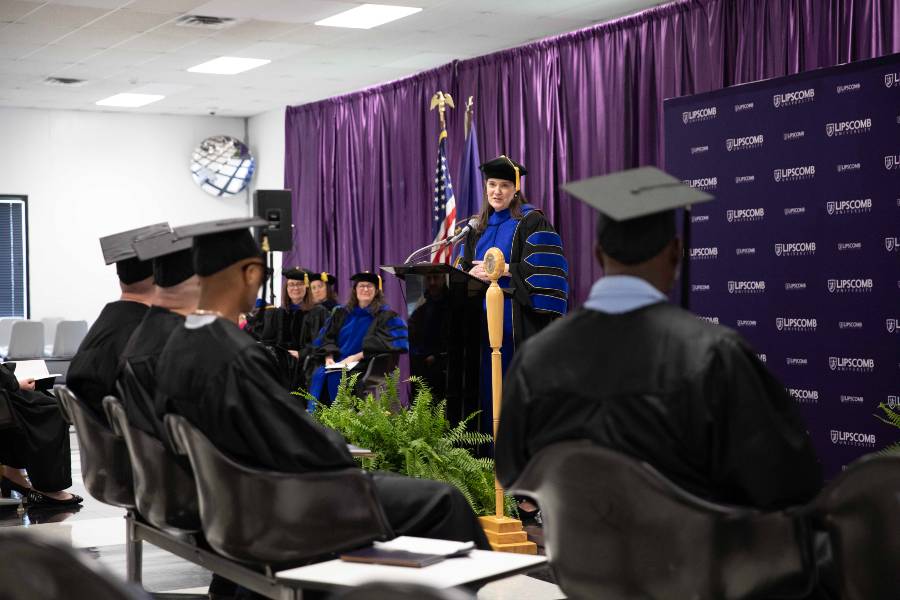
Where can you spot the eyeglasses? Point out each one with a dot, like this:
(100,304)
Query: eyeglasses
(296,284)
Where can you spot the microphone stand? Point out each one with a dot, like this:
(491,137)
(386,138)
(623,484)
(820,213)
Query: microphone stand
(437,244)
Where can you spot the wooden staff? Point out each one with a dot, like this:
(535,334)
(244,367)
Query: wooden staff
(495,266)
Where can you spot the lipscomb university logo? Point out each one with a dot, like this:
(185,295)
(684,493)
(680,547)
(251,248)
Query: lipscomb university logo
(893,402)
(832,362)
(729,144)
(890,244)
(832,284)
(830,208)
(891,325)
(834,436)
(891,79)
(829,129)
(779,323)
(891,162)
(731,287)
(779,249)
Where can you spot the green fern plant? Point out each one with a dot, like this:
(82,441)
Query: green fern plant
(891,417)
(416,441)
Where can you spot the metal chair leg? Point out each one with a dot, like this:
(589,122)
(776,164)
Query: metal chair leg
(133,552)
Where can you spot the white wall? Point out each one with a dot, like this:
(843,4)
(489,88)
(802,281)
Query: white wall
(266,135)
(89,174)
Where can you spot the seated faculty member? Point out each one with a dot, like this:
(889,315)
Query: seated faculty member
(631,372)
(94,368)
(177,295)
(222,381)
(363,328)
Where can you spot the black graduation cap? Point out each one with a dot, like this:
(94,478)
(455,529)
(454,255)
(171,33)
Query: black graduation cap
(171,256)
(506,168)
(637,210)
(117,248)
(297,274)
(221,243)
(328,278)
(372,278)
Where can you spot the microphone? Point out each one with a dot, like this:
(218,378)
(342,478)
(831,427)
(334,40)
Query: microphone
(464,231)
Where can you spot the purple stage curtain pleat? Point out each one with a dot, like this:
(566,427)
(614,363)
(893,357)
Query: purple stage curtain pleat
(568,107)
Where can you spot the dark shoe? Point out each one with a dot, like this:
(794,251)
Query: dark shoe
(35,499)
(7,486)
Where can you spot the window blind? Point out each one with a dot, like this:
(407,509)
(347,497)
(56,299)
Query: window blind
(13,270)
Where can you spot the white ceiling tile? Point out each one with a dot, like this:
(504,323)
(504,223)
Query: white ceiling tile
(165,89)
(133,20)
(308,11)
(64,16)
(313,34)
(107,4)
(15,51)
(32,33)
(10,10)
(117,58)
(166,6)
(92,37)
(422,61)
(152,42)
(596,12)
(274,51)
(61,54)
(236,9)
(254,30)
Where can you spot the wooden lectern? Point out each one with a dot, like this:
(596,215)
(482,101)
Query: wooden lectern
(504,533)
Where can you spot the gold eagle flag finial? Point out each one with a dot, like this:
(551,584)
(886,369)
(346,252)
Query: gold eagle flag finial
(441,100)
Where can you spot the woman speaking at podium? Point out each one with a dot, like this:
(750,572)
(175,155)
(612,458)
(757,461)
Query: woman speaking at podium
(537,271)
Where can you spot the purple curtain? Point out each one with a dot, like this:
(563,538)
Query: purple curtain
(573,106)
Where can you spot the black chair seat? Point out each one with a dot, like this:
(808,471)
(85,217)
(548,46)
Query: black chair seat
(105,464)
(615,528)
(860,510)
(164,489)
(264,517)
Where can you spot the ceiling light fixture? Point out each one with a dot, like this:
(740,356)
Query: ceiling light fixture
(368,16)
(229,65)
(130,100)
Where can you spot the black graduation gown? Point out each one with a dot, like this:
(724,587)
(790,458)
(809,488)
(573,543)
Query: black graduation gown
(659,384)
(141,355)
(40,442)
(94,368)
(268,327)
(229,389)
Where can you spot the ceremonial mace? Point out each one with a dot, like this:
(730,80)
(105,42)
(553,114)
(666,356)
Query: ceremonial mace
(504,533)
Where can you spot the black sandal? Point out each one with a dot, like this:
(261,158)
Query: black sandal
(37,499)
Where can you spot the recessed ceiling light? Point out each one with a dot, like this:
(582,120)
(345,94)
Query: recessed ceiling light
(368,16)
(229,65)
(130,100)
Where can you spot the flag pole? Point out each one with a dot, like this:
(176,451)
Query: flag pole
(441,101)
(470,107)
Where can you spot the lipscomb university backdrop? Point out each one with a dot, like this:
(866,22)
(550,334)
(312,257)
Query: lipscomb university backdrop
(799,252)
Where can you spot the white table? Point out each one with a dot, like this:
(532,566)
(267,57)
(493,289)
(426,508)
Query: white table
(478,568)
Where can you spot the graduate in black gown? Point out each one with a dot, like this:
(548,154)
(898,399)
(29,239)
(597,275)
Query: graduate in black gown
(94,368)
(177,295)
(323,300)
(355,333)
(631,372)
(537,271)
(230,390)
(39,443)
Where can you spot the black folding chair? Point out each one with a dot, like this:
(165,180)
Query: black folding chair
(278,519)
(860,510)
(401,591)
(615,528)
(105,465)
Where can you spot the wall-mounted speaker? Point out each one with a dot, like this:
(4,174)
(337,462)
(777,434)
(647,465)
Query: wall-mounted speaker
(275,207)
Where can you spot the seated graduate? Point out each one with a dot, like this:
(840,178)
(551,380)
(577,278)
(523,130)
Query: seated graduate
(94,368)
(230,390)
(355,333)
(633,373)
(39,443)
(177,295)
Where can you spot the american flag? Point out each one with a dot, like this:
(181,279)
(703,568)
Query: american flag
(444,210)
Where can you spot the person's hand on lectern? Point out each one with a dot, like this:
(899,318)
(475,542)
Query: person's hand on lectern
(478,270)
(329,361)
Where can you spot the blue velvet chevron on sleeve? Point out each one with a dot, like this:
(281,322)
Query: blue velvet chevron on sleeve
(544,271)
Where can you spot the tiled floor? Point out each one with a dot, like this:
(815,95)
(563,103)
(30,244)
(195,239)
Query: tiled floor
(100,530)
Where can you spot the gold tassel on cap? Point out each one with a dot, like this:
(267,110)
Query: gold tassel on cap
(516,169)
